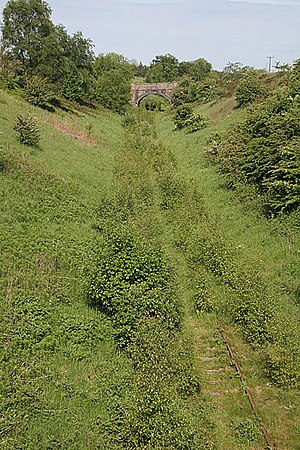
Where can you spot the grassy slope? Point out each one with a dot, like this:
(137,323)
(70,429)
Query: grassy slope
(272,247)
(60,367)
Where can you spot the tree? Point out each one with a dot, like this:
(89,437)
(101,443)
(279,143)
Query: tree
(163,68)
(139,69)
(26,23)
(199,69)
(113,74)
(232,68)
(35,48)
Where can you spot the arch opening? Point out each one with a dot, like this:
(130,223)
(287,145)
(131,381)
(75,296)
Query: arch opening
(159,94)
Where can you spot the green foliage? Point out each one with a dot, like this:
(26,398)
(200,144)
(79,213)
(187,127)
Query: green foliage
(202,299)
(154,103)
(209,89)
(294,82)
(113,74)
(25,24)
(27,130)
(189,90)
(264,150)
(282,358)
(132,281)
(35,50)
(186,118)
(250,88)
(38,92)
(197,69)
(74,86)
(152,417)
(163,68)
(186,92)
(248,431)
(166,68)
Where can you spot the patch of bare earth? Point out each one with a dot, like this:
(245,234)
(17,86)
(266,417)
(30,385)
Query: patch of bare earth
(80,134)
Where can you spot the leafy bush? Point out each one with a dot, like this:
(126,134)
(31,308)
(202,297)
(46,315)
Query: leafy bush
(27,130)
(128,119)
(186,92)
(264,151)
(132,281)
(186,118)
(248,431)
(283,362)
(202,299)
(249,89)
(153,417)
(38,92)
(208,90)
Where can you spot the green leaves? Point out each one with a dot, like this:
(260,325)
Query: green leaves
(27,130)
(132,281)
(264,150)
(250,89)
(186,118)
(113,74)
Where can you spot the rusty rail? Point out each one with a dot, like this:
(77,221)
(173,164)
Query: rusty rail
(265,433)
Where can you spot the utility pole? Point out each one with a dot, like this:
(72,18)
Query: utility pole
(270,62)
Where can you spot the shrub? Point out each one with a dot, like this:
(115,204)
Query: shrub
(250,89)
(128,119)
(264,151)
(27,130)
(208,90)
(152,416)
(38,92)
(186,92)
(186,118)
(132,281)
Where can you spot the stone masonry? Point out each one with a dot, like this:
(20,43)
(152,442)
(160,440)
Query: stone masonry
(139,91)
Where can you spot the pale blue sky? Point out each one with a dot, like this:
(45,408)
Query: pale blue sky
(218,30)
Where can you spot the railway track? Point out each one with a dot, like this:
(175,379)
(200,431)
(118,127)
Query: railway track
(225,384)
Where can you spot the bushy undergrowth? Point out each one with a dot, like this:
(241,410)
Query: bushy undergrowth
(185,118)
(27,130)
(236,292)
(132,282)
(38,92)
(163,379)
(250,89)
(264,151)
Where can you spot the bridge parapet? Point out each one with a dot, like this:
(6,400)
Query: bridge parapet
(139,91)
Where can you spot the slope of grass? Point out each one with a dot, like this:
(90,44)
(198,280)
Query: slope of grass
(59,366)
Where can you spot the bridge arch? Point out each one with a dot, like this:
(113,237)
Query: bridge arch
(140,91)
(152,93)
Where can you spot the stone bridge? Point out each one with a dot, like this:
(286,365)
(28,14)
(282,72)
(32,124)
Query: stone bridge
(140,91)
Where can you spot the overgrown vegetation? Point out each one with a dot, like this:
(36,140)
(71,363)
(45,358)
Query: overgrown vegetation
(118,240)
(185,118)
(27,130)
(264,149)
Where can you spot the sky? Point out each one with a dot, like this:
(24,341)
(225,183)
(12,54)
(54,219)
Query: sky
(221,31)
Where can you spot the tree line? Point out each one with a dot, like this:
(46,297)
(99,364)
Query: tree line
(44,63)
